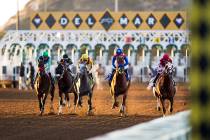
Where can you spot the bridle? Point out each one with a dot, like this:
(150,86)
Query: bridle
(169,68)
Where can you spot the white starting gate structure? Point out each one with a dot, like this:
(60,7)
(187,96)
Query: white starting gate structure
(143,48)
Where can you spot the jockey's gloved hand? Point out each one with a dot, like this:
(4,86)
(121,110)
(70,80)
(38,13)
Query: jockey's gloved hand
(120,66)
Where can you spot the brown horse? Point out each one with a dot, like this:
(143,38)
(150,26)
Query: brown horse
(43,87)
(165,89)
(119,86)
(66,85)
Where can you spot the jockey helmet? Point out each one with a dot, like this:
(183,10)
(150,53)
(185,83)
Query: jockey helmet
(165,56)
(65,56)
(85,57)
(40,58)
(119,51)
(165,59)
(45,54)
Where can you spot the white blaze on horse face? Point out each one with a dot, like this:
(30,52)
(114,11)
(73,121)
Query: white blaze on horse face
(169,68)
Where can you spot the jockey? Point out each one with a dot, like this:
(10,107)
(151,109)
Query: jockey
(68,62)
(163,61)
(120,62)
(46,62)
(87,60)
(46,59)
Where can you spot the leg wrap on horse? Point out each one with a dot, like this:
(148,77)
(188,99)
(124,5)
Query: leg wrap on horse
(112,74)
(156,77)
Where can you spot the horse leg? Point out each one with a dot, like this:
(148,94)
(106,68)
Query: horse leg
(163,106)
(52,91)
(115,104)
(60,103)
(68,101)
(171,105)
(122,108)
(79,100)
(158,104)
(40,103)
(43,103)
(75,101)
(89,103)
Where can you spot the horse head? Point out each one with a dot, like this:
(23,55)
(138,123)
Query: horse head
(168,69)
(120,70)
(41,67)
(83,69)
(119,76)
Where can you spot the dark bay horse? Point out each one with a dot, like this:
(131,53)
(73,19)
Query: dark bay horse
(43,87)
(165,89)
(119,86)
(66,85)
(84,87)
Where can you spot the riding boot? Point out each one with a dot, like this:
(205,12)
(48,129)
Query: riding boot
(32,82)
(111,76)
(128,78)
(156,77)
(174,83)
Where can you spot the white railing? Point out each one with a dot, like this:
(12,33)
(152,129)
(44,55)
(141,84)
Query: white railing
(175,127)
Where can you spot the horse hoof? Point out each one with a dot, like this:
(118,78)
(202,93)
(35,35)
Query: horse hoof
(51,113)
(122,114)
(59,113)
(89,113)
(158,108)
(41,113)
(116,104)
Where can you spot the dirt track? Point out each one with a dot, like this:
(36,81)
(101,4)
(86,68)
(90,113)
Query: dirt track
(19,114)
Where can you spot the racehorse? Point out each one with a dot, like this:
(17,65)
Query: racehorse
(43,86)
(84,87)
(119,86)
(66,85)
(164,89)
